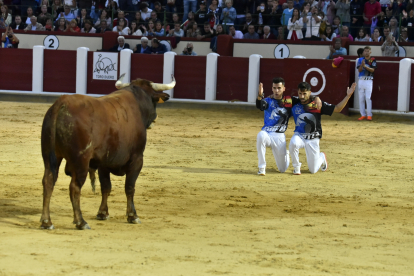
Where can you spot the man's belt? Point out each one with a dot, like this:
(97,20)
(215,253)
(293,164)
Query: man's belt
(366,78)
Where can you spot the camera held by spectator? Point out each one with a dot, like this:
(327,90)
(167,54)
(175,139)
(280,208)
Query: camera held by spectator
(188,50)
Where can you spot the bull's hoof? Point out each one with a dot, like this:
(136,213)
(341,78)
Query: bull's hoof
(102,216)
(46,224)
(51,227)
(84,226)
(134,220)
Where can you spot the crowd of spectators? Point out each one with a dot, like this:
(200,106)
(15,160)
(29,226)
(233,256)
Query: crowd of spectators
(323,20)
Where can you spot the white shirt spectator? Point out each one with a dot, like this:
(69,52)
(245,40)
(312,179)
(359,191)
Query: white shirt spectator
(145,15)
(180,33)
(107,3)
(137,32)
(238,35)
(125,31)
(68,17)
(92,31)
(311,24)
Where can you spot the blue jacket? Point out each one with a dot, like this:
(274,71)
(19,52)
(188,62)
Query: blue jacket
(161,49)
(231,17)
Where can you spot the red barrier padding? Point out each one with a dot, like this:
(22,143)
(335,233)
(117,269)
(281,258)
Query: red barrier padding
(232,79)
(270,68)
(225,45)
(190,73)
(16,69)
(149,67)
(59,71)
(385,86)
(98,86)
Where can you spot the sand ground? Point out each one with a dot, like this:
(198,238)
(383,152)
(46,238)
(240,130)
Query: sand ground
(204,211)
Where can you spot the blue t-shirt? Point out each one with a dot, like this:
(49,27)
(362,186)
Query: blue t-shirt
(370,63)
(276,113)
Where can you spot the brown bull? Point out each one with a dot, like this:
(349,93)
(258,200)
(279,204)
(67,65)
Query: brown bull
(107,133)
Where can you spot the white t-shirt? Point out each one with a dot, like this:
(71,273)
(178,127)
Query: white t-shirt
(145,15)
(311,24)
(125,31)
(238,35)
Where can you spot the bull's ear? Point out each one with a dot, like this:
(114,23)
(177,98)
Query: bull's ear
(161,97)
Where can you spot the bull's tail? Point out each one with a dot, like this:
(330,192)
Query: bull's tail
(48,139)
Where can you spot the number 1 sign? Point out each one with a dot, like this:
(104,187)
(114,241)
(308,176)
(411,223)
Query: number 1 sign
(282,51)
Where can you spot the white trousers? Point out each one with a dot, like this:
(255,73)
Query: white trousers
(277,142)
(365,91)
(313,155)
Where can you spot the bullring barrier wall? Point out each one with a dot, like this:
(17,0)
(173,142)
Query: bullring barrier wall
(212,78)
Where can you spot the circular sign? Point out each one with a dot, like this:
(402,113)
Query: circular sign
(313,82)
(401,52)
(282,51)
(51,42)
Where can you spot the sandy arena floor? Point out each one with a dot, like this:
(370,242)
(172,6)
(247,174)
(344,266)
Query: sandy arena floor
(204,211)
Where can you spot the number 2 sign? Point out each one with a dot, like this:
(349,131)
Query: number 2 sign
(51,42)
(282,51)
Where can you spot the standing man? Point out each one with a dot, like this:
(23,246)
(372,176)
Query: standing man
(366,66)
(277,111)
(308,130)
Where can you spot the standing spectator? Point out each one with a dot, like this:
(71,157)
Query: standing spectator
(394,28)
(103,27)
(234,33)
(408,22)
(193,30)
(82,18)
(389,47)
(177,31)
(356,10)
(88,27)
(159,30)
(345,33)
(5,17)
(43,16)
(103,17)
(287,13)
(251,34)
(363,36)
(134,30)
(372,9)
(156,48)
(328,8)
(18,24)
(67,14)
(121,45)
(188,50)
(34,26)
(247,23)
(29,12)
(73,26)
(366,66)
(141,48)
(145,11)
(122,27)
(121,15)
(376,37)
(216,10)
(159,11)
(57,8)
(295,26)
(201,15)
(337,49)
(187,4)
(342,10)
(229,15)
(171,7)
(62,25)
(313,23)
(328,35)
(336,26)
(267,34)
(207,31)
(274,17)
(9,39)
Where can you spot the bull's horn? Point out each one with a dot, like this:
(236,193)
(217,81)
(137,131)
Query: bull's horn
(119,83)
(163,87)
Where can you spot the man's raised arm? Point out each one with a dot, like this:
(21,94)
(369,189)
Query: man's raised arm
(349,92)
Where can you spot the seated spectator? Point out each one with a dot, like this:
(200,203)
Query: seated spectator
(154,17)
(376,37)
(67,14)
(408,22)
(34,26)
(177,31)
(201,15)
(156,48)
(295,25)
(159,11)
(121,15)
(337,49)
(29,12)
(88,27)
(249,21)
(336,25)
(5,16)
(9,39)
(73,27)
(207,31)
(251,34)
(328,35)
(188,50)
(145,11)
(193,30)
(49,25)
(220,30)
(190,19)
(113,9)
(151,29)
(394,28)
(280,33)
(82,18)
(122,27)
(345,33)
(121,45)
(313,23)
(159,30)
(18,24)
(103,28)
(267,34)
(404,35)
(138,19)
(234,33)
(57,8)
(134,30)
(62,26)
(363,36)
(104,17)
(141,48)
(175,19)
(389,47)
(228,16)
(43,16)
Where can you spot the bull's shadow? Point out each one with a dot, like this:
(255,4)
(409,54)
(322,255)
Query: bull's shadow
(15,210)
(205,170)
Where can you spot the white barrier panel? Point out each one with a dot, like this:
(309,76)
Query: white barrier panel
(211,76)
(81,70)
(254,73)
(169,58)
(404,83)
(125,65)
(37,68)
(356,93)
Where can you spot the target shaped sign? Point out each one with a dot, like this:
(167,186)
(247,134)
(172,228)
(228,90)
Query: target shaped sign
(316,78)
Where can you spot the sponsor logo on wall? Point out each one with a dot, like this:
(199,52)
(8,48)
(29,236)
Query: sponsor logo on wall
(105,66)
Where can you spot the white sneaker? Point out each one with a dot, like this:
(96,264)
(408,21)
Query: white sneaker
(262,171)
(296,171)
(324,165)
